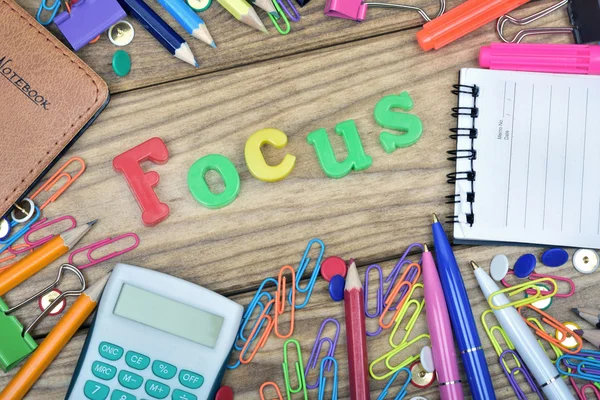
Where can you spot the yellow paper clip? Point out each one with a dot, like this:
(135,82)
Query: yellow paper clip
(418,307)
(522,288)
(387,357)
(298,366)
(491,333)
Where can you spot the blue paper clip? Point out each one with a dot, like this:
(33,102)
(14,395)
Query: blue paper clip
(302,269)
(14,237)
(323,380)
(520,368)
(316,350)
(403,391)
(582,365)
(52,9)
(379,297)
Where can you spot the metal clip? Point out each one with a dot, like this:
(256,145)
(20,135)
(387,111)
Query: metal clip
(421,12)
(261,391)
(302,269)
(402,393)
(413,319)
(323,380)
(280,301)
(299,370)
(524,287)
(523,33)
(560,328)
(58,175)
(105,242)
(316,350)
(520,368)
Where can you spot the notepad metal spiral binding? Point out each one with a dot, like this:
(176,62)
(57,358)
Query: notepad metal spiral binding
(464,195)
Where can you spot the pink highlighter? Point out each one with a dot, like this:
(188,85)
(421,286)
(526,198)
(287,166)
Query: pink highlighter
(554,58)
(442,342)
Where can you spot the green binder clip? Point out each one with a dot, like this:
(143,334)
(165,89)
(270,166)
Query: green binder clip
(16,342)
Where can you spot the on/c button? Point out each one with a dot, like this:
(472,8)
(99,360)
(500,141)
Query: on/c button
(190,379)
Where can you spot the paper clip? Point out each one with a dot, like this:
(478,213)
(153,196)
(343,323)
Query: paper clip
(293,15)
(58,175)
(95,246)
(51,8)
(391,278)
(582,365)
(418,307)
(42,223)
(298,367)
(523,287)
(316,350)
(261,391)
(402,286)
(557,351)
(520,368)
(581,391)
(378,297)
(255,300)
(302,269)
(557,279)
(523,33)
(402,393)
(387,357)
(563,330)
(246,319)
(15,236)
(280,301)
(491,333)
(323,380)
(285,20)
(263,337)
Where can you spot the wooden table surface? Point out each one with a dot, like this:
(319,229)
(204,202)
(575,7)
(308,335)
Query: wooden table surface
(324,72)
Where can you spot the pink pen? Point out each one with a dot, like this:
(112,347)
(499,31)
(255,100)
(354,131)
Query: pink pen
(440,330)
(554,58)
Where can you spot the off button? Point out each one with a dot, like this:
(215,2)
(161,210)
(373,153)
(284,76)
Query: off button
(190,379)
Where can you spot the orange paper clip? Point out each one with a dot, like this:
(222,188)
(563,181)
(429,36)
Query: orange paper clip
(54,179)
(261,391)
(403,286)
(560,328)
(281,299)
(8,255)
(263,337)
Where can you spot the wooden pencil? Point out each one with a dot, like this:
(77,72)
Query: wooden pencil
(266,5)
(356,336)
(242,11)
(592,336)
(588,314)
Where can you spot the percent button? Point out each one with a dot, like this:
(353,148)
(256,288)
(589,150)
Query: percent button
(163,370)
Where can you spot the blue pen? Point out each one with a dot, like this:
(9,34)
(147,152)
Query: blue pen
(461,317)
(158,28)
(188,19)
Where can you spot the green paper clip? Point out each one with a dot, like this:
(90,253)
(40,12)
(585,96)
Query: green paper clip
(299,366)
(15,342)
(285,20)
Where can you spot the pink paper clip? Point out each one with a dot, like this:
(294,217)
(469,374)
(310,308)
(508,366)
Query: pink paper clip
(43,223)
(57,177)
(534,276)
(95,246)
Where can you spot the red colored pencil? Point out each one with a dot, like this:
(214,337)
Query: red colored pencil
(356,336)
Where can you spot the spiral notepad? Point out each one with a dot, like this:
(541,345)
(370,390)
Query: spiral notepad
(527,158)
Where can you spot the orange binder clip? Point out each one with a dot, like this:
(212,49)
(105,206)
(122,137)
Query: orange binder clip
(560,328)
(281,299)
(54,179)
(400,284)
(261,391)
(263,337)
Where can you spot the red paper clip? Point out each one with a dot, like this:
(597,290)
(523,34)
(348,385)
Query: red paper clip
(43,223)
(95,246)
(564,331)
(57,177)
(543,292)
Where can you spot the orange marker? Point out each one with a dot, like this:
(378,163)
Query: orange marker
(462,20)
(58,337)
(33,263)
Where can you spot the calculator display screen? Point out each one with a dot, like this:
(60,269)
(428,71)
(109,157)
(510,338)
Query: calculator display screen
(168,315)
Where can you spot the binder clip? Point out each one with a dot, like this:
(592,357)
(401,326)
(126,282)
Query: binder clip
(357,9)
(87,19)
(583,15)
(16,342)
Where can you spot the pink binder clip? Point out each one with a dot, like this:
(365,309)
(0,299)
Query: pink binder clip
(43,223)
(348,9)
(95,246)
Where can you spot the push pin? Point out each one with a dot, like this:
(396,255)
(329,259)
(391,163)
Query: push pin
(121,33)
(357,9)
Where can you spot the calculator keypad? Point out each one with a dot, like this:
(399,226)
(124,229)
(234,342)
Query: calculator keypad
(128,380)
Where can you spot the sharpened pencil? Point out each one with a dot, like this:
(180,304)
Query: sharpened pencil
(589,315)
(242,11)
(592,336)
(266,5)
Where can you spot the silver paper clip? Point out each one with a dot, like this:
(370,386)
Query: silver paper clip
(523,33)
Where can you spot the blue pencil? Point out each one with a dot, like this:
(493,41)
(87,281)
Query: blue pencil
(159,29)
(461,317)
(188,19)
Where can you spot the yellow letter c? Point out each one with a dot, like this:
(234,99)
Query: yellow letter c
(256,162)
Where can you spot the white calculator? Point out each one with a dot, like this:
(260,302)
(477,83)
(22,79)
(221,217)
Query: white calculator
(155,336)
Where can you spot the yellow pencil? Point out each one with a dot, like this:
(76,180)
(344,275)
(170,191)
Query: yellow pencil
(58,337)
(242,11)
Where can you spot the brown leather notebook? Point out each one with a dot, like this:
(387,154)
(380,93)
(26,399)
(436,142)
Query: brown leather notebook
(48,97)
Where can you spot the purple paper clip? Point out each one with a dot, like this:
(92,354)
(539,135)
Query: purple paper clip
(88,19)
(43,223)
(295,16)
(95,246)
(510,374)
(313,360)
(379,297)
(391,278)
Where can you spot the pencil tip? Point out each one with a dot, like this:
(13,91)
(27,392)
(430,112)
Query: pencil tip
(92,223)
(425,248)
(575,310)
(213,45)
(474,265)
(275,14)
(435,219)
(578,332)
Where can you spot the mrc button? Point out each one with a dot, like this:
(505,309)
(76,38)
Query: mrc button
(110,351)
(190,379)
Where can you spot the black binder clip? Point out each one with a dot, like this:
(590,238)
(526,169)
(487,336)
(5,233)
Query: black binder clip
(584,16)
